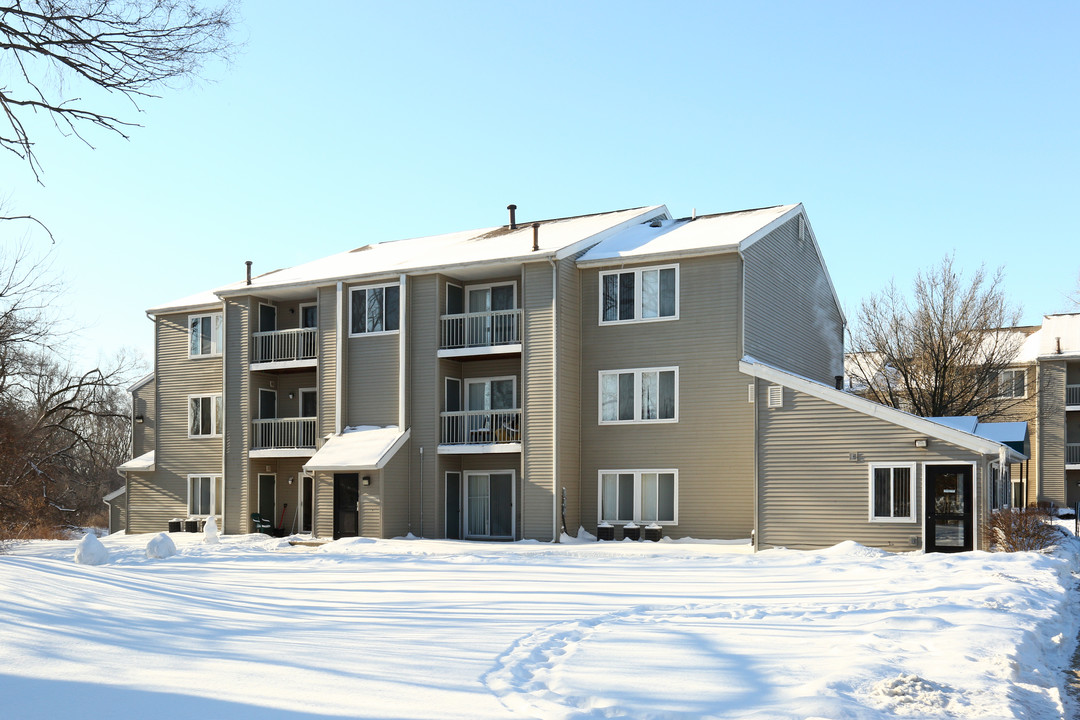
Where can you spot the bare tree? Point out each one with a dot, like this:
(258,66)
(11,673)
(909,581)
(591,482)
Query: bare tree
(128,47)
(943,353)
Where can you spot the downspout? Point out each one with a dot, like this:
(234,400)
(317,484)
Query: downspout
(554,403)
(224,406)
(338,381)
(756,534)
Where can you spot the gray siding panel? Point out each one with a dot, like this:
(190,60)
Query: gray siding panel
(372,388)
(239,485)
(143,435)
(568,383)
(327,370)
(712,443)
(1052,376)
(792,321)
(538,415)
(425,398)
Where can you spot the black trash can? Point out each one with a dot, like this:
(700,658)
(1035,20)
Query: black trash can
(605,531)
(653,533)
(191,526)
(631,532)
(175,526)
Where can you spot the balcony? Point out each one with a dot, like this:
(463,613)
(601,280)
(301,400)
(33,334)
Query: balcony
(1072,456)
(283,437)
(480,431)
(1072,397)
(481,333)
(284,349)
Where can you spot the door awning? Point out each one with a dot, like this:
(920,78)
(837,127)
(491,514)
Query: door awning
(367,447)
(143,463)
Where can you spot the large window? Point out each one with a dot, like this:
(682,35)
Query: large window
(205,495)
(641,294)
(892,493)
(645,395)
(204,335)
(204,415)
(374,310)
(1012,384)
(640,496)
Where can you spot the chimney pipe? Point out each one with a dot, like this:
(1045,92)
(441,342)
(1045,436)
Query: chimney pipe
(839,381)
(1059,346)
(513,215)
(536,236)
(248,263)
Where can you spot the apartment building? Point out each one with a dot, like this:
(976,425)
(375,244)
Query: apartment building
(622,368)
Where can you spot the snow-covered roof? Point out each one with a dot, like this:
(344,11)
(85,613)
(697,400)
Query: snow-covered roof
(964,423)
(114,494)
(675,237)
(364,447)
(140,382)
(143,463)
(1011,433)
(1059,336)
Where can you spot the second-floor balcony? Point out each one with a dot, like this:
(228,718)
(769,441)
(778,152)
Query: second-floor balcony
(1072,454)
(297,347)
(1072,397)
(492,331)
(283,437)
(487,431)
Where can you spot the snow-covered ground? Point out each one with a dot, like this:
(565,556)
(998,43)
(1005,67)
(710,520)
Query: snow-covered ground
(254,628)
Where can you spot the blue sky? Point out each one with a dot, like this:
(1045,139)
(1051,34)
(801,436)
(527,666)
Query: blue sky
(909,130)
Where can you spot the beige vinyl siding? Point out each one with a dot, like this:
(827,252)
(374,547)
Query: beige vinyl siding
(1052,376)
(323,512)
(711,445)
(327,370)
(163,496)
(425,402)
(239,486)
(144,402)
(118,514)
(812,495)
(395,495)
(1027,411)
(792,321)
(372,386)
(568,384)
(538,418)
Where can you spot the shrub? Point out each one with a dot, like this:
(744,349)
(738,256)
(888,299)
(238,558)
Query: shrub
(1020,529)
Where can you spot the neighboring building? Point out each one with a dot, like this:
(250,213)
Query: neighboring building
(620,367)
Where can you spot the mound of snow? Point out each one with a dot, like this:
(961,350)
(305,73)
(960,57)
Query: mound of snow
(850,548)
(160,546)
(211,532)
(90,551)
(583,536)
(911,693)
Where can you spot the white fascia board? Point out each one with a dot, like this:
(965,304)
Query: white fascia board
(181,309)
(653,258)
(113,495)
(603,235)
(883,412)
(795,212)
(140,382)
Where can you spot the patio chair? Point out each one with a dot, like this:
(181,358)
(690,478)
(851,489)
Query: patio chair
(262,524)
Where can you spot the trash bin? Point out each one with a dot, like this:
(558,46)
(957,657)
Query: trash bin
(175,526)
(630,531)
(605,531)
(191,526)
(653,533)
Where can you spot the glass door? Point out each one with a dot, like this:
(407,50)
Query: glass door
(949,516)
(490,402)
(489,505)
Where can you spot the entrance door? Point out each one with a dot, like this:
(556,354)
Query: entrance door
(489,505)
(267,497)
(453,505)
(949,516)
(306,500)
(267,318)
(482,302)
(492,395)
(346,505)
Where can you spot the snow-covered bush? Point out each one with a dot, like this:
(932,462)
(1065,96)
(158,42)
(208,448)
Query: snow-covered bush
(90,551)
(160,546)
(1020,529)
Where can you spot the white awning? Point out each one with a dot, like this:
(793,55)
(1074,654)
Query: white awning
(143,463)
(367,447)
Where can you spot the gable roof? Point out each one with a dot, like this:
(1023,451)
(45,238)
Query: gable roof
(958,437)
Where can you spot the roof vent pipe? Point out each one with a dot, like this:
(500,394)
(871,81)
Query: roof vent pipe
(536,236)
(248,263)
(1059,346)
(693,214)
(838,381)
(513,215)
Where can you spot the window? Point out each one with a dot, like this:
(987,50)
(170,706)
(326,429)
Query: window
(374,310)
(205,495)
(646,395)
(204,415)
(640,496)
(639,295)
(204,333)
(309,315)
(892,493)
(1012,384)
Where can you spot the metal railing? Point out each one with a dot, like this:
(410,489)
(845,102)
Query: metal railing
(481,329)
(1072,394)
(280,433)
(480,427)
(284,345)
(1072,453)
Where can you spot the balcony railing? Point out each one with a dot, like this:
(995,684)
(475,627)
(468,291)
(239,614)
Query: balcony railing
(284,345)
(1072,394)
(481,329)
(1072,454)
(481,427)
(281,433)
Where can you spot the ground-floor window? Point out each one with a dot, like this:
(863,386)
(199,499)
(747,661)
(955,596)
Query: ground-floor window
(639,496)
(892,493)
(205,495)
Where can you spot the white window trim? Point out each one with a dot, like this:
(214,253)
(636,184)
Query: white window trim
(213,418)
(637,294)
(300,309)
(1010,396)
(488,286)
(637,494)
(473,380)
(378,332)
(465,475)
(913,481)
(637,396)
(215,479)
(215,348)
